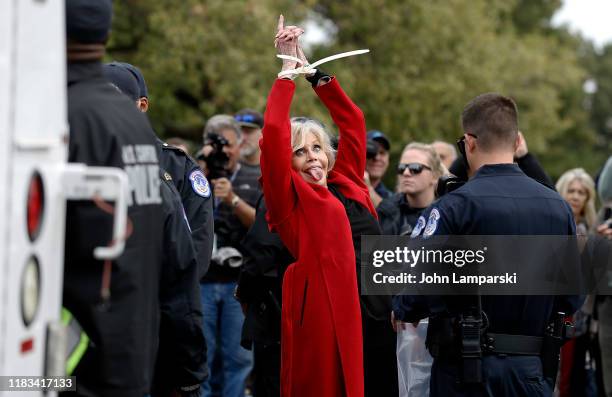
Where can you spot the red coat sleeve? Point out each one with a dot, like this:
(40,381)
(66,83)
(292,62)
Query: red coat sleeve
(351,157)
(276,153)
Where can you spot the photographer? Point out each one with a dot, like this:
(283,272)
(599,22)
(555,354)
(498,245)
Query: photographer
(236,190)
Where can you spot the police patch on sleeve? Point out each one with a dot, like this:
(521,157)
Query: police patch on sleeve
(432,223)
(199,183)
(418,228)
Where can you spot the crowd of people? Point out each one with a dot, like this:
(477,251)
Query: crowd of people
(241,273)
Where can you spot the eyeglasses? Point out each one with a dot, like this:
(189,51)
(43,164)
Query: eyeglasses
(461,143)
(414,168)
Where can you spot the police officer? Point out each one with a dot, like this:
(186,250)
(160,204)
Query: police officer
(499,199)
(186,175)
(181,360)
(115,302)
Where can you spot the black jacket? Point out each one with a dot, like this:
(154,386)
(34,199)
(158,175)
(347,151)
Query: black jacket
(106,129)
(396,217)
(195,193)
(181,359)
(259,285)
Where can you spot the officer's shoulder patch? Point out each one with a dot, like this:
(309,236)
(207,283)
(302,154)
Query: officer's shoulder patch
(199,183)
(418,228)
(167,176)
(432,223)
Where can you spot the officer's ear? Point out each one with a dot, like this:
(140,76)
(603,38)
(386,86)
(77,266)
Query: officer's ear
(518,141)
(470,143)
(143,104)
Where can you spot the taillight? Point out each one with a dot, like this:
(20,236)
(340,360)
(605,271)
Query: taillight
(30,290)
(36,205)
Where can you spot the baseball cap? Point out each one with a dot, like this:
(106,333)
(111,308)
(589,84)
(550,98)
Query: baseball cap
(379,137)
(249,118)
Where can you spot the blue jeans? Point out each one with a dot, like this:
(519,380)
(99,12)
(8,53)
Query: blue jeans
(223,320)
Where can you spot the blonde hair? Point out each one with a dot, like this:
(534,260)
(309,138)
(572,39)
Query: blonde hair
(301,126)
(434,160)
(580,174)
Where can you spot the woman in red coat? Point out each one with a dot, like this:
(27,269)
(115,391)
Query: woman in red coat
(321,321)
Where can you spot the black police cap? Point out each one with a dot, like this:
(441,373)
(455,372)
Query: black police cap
(123,79)
(142,84)
(88,21)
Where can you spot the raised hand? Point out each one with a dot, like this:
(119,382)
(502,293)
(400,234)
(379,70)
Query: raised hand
(286,42)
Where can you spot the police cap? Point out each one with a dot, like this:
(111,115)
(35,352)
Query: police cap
(88,21)
(142,85)
(122,78)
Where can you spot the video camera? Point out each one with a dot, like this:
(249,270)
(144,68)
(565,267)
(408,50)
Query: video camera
(217,160)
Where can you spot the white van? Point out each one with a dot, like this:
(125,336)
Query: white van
(35,182)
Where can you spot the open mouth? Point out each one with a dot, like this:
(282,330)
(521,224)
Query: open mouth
(315,172)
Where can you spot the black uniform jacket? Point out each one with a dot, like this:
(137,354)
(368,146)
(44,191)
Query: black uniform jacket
(106,129)
(181,358)
(195,194)
(498,200)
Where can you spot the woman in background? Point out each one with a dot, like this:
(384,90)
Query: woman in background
(578,189)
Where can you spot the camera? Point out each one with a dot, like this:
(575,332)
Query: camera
(217,160)
(371,149)
(448,183)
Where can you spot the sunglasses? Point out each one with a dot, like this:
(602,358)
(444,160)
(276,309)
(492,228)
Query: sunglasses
(414,168)
(245,118)
(461,143)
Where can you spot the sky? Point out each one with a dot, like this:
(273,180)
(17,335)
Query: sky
(590,17)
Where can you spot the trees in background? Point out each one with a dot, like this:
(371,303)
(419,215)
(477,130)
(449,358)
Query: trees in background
(202,57)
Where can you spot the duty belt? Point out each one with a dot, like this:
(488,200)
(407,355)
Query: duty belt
(517,345)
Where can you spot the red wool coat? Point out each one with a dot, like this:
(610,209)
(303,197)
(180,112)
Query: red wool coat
(321,322)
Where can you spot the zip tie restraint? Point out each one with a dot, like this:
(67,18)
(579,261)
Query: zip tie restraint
(311,68)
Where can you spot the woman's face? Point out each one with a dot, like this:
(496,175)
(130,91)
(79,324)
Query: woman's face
(577,196)
(311,161)
(413,184)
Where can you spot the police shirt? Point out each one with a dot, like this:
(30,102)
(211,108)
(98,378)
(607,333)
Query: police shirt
(196,197)
(498,200)
(106,129)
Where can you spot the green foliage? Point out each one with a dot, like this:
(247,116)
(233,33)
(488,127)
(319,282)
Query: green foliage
(427,60)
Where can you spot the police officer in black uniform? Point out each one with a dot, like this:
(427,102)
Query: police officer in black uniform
(181,360)
(116,303)
(186,174)
(499,199)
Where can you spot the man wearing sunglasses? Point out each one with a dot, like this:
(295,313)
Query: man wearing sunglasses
(418,172)
(499,199)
